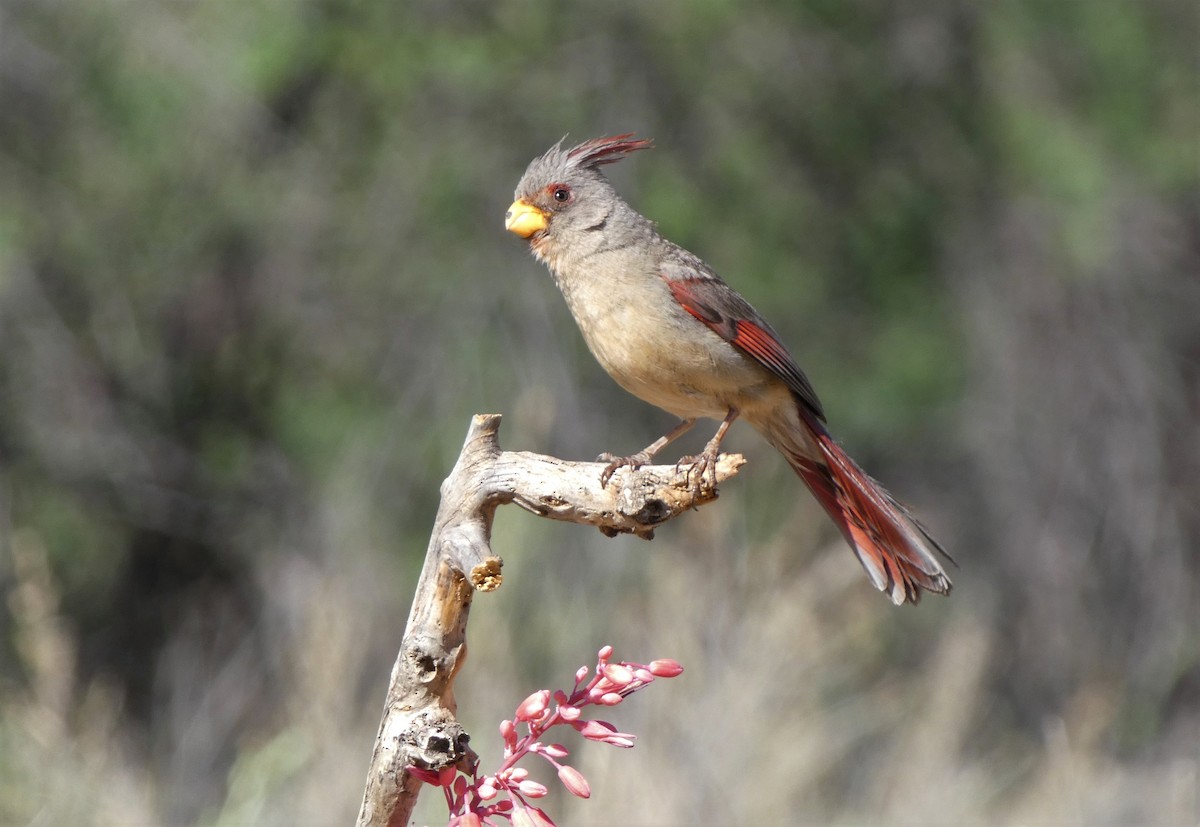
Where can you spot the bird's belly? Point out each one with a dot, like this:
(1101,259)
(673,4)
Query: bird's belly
(660,354)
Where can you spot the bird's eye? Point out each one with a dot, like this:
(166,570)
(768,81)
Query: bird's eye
(561,194)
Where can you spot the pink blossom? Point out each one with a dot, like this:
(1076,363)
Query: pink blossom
(600,687)
(532,707)
(665,668)
(523,816)
(532,788)
(428,776)
(506,791)
(619,674)
(595,729)
(508,731)
(574,781)
(604,732)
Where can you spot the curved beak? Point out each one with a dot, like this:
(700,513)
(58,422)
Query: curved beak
(524,219)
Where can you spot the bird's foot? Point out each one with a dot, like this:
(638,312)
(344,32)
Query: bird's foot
(614,462)
(703,465)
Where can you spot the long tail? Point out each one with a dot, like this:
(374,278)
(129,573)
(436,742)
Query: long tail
(898,553)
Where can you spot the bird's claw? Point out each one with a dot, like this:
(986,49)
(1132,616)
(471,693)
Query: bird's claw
(614,462)
(702,465)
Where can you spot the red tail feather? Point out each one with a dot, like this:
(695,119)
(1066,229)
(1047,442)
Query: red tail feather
(898,553)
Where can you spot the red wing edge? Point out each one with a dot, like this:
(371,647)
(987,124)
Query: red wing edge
(749,334)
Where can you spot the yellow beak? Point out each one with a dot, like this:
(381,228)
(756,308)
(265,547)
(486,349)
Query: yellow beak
(524,219)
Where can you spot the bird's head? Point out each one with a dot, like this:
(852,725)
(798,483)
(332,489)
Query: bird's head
(563,192)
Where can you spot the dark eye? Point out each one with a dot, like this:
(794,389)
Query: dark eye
(561,194)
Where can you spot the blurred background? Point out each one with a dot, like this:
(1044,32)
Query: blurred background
(254,282)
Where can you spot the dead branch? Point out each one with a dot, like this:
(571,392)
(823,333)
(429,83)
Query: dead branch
(419,727)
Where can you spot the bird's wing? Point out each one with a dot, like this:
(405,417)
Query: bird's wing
(704,295)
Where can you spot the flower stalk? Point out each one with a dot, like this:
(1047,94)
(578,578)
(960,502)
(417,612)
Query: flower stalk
(476,799)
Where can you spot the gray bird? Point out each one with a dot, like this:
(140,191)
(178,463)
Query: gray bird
(670,331)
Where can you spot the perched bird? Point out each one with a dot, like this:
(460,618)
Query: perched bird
(670,331)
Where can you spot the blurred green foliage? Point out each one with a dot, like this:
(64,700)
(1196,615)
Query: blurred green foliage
(253,282)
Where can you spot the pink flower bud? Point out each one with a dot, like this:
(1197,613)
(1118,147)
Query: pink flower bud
(610,699)
(518,774)
(605,653)
(487,789)
(604,732)
(532,707)
(520,818)
(428,776)
(602,686)
(460,787)
(508,731)
(665,668)
(543,819)
(580,674)
(643,674)
(555,751)
(569,713)
(560,697)
(595,730)
(523,816)
(574,781)
(469,820)
(619,674)
(532,789)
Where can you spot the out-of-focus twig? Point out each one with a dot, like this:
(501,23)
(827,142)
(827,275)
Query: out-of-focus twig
(419,727)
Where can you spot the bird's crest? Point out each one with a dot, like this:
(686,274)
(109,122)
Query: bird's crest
(600,151)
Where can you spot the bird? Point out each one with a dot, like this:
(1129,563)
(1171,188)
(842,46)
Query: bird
(673,333)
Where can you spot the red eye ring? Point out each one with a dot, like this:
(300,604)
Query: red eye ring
(560,193)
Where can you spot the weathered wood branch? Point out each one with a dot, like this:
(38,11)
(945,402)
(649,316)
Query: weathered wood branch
(419,727)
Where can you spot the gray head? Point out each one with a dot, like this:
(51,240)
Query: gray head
(563,191)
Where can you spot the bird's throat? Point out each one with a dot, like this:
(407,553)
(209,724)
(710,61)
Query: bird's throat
(542,247)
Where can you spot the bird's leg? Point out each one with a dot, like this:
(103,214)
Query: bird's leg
(644,456)
(706,460)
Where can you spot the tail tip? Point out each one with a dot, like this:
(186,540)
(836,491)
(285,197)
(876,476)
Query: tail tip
(905,589)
